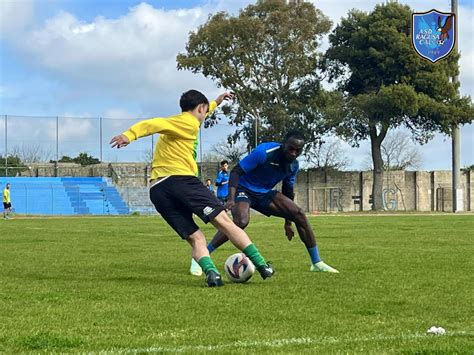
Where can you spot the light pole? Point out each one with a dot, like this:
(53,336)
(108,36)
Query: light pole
(456,137)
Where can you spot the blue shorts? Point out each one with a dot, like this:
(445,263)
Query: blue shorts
(258,201)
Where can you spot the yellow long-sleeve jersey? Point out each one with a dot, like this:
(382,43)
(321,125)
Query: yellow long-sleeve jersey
(6,196)
(176,148)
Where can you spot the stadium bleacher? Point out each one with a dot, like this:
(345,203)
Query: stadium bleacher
(64,196)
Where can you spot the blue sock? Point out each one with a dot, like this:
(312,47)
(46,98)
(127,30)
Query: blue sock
(211,248)
(314,254)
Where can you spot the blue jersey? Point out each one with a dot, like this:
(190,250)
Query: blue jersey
(265,167)
(222,177)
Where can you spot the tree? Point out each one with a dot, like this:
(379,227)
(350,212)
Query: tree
(12,166)
(385,85)
(268,55)
(328,156)
(31,153)
(64,159)
(83,158)
(399,152)
(468,168)
(211,158)
(230,152)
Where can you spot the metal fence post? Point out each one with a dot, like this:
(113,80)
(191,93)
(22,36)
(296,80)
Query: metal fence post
(6,146)
(57,139)
(152,145)
(26,198)
(100,139)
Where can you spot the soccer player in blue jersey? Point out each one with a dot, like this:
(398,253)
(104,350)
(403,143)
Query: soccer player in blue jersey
(252,184)
(222,182)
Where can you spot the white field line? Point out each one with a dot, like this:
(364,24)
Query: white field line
(276,343)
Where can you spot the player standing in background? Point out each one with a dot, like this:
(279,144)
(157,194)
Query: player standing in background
(175,190)
(7,203)
(222,182)
(209,185)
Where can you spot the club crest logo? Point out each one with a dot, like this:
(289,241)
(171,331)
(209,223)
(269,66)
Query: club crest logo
(433,34)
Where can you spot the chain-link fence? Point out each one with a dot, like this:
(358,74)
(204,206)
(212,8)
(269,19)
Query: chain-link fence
(45,139)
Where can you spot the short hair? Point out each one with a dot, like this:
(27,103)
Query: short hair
(191,99)
(208,180)
(224,162)
(294,133)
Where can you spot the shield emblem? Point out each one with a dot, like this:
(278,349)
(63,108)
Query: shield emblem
(433,34)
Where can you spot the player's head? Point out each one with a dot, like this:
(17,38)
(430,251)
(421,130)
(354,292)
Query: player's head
(8,185)
(293,145)
(195,102)
(224,165)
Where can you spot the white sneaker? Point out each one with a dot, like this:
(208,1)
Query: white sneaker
(195,269)
(323,267)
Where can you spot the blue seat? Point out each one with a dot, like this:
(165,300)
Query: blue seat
(64,196)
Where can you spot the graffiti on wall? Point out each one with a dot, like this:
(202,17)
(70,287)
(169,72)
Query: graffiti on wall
(393,199)
(335,199)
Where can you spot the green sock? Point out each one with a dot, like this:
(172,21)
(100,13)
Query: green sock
(207,264)
(254,255)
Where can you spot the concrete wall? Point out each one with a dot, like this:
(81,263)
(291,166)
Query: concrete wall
(316,191)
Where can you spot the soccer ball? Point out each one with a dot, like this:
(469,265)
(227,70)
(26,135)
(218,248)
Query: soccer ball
(239,268)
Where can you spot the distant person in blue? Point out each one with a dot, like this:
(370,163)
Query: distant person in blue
(222,182)
(251,185)
(209,185)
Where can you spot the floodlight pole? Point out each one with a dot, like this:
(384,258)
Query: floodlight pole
(256,131)
(200,153)
(456,137)
(6,146)
(57,140)
(152,145)
(100,138)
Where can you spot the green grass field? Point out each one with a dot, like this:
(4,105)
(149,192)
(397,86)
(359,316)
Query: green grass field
(121,285)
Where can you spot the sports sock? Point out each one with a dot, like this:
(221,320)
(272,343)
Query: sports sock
(207,264)
(211,248)
(254,255)
(314,254)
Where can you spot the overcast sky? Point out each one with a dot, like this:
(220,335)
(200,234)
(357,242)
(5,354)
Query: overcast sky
(117,59)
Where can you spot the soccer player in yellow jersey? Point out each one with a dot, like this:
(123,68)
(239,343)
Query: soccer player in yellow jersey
(7,203)
(175,190)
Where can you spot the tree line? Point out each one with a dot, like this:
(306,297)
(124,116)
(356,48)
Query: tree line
(270,56)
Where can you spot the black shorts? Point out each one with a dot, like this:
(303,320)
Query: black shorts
(7,205)
(176,198)
(258,201)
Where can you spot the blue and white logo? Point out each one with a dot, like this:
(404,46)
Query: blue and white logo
(433,34)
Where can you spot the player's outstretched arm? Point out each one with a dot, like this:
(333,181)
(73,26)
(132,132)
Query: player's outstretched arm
(119,141)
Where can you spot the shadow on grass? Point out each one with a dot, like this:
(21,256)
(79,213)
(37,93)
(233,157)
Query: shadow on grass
(43,341)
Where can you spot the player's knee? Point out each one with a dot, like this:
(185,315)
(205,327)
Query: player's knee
(299,216)
(241,222)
